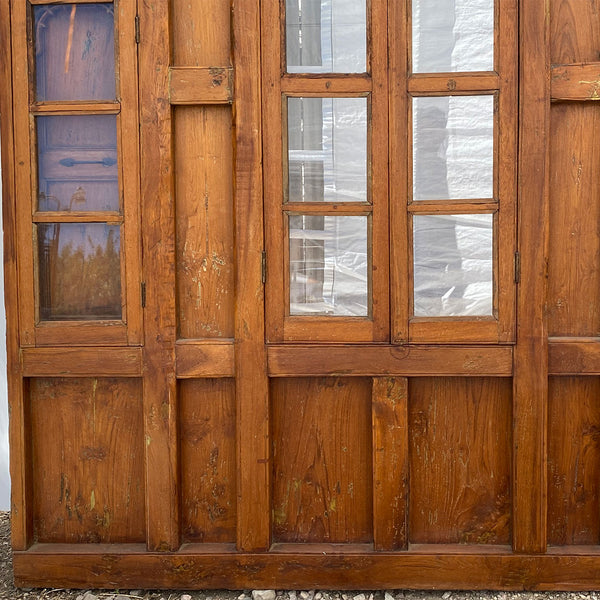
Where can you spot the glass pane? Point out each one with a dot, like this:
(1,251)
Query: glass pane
(327,149)
(326,36)
(328,266)
(75,52)
(453,265)
(453,147)
(79,271)
(77,163)
(452,35)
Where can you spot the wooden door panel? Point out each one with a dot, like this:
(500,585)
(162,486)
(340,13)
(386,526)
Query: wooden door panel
(460,460)
(574,31)
(87,460)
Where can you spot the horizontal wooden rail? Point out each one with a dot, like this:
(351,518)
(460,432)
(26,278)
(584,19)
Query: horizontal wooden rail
(576,82)
(81,362)
(196,359)
(200,85)
(574,356)
(404,361)
(453,82)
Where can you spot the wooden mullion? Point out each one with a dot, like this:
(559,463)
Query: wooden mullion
(75,108)
(530,401)
(77,217)
(390,463)
(20,464)
(329,208)
(452,207)
(331,84)
(160,385)
(448,83)
(252,385)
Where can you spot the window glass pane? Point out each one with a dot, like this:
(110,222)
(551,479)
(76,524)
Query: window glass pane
(326,36)
(453,147)
(79,271)
(327,149)
(75,52)
(77,163)
(328,266)
(455,35)
(453,265)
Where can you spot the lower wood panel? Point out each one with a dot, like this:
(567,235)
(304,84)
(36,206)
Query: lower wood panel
(322,460)
(574,461)
(419,570)
(460,460)
(88,460)
(208,460)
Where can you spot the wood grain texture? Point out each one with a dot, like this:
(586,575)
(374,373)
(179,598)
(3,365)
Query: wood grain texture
(208,460)
(574,31)
(201,32)
(576,82)
(574,461)
(204,211)
(352,571)
(322,464)
(574,261)
(530,395)
(460,460)
(574,356)
(252,385)
(201,85)
(160,322)
(205,359)
(88,460)
(390,463)
(81,362)
(303,360)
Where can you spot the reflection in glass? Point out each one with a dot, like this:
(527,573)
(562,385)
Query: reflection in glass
(453,147)
(75,52)
(326,36)
(453,265)
(77,163)
(328,266)
(452,35)
(79,271)
(327,149)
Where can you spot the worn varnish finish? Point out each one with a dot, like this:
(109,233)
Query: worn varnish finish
(209,439)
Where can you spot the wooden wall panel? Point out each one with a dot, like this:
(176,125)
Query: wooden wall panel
(574,267)
(204,212)
(88,460)
(575,31)
(208,459)
(574,461)
(322,460)
(198,40)
(460,460)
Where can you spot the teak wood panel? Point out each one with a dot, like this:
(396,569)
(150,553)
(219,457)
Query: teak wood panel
(87,460)
(460,460)
(208,465)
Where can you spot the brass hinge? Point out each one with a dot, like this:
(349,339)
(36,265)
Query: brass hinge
(517,267)
(137,29)
(143,292)
(264,266)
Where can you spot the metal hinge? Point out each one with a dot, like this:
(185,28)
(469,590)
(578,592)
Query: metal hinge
(137,29)
(143,292)
(264,266)
(517,267)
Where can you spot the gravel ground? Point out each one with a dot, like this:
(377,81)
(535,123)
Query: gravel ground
(7,589)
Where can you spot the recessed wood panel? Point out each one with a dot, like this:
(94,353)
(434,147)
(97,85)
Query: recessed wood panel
(208,460)
(460,465)
(322,460)
(204,212)
(88,460)
(574,461)
(575,31)
(574,262)
(201,32)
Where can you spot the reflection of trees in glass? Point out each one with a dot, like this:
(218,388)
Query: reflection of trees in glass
(80,279)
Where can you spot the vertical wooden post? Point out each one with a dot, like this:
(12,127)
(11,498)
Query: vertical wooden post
(390,463)
(22,515)
(531,352)
(158,226)
(252,385)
